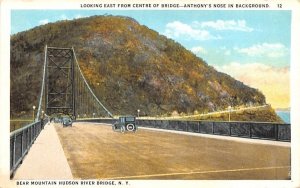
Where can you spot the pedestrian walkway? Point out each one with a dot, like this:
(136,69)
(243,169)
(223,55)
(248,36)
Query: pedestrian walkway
(45,159)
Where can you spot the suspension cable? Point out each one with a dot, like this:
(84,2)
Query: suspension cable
(90,90)
(43,86)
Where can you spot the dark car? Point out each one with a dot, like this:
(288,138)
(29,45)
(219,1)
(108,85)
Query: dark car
(66,121)
(125,123)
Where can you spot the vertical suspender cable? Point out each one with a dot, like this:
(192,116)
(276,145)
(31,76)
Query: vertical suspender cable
(43,85)
(80,99)
(73,86)
(109,113)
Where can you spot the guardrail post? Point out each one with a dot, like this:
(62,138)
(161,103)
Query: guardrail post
(42,124)
(14,153)
(28,139)
(31,135)
(229,129)
(22,143)
(199,127)
(186,126)
(250,130)
(34,133)
(213,128)
(276,132)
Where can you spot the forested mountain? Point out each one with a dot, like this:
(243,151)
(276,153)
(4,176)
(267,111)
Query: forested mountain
(128,65)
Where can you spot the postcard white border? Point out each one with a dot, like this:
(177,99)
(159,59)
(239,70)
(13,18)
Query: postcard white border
(292,5)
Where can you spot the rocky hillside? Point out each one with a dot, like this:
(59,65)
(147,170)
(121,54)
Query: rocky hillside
(128,65)
(260,114)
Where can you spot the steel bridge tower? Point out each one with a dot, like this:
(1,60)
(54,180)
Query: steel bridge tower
(60,81)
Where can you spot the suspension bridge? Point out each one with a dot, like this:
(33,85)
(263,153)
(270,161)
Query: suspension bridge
(64,88)
(162,149)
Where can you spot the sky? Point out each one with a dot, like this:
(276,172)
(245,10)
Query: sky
(252,46)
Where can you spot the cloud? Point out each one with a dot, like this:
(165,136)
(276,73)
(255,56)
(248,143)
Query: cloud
(239,25)
(198,30)
(43,22)
(272,81)
(273,50)
(224,50)
(198,50)
(79,16)
(227,52)
(64,17)
(178,29)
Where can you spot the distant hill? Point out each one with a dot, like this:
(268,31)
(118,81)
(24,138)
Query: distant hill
(129,66)
(260,114)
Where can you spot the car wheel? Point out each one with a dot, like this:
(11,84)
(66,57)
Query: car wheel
(130,127)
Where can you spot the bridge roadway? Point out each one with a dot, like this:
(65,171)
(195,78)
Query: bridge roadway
(94,151)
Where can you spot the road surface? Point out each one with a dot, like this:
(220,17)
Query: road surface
(94,151)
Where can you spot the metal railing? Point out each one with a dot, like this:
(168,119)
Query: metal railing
(259,130)
(21,141)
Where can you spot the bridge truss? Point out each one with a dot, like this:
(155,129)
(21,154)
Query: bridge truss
(65,91)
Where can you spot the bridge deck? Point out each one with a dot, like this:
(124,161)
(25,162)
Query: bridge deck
(95,151)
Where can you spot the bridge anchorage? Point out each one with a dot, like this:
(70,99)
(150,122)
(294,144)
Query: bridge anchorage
(65,91)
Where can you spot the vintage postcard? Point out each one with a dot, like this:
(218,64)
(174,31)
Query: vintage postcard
(143,94)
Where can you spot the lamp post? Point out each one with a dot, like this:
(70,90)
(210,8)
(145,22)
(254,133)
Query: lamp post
(33,107)
(138,111)
(229,108)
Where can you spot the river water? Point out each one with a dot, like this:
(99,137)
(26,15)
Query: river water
(284,115)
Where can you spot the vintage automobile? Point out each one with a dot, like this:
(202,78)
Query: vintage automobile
(66,121)
(125,123)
